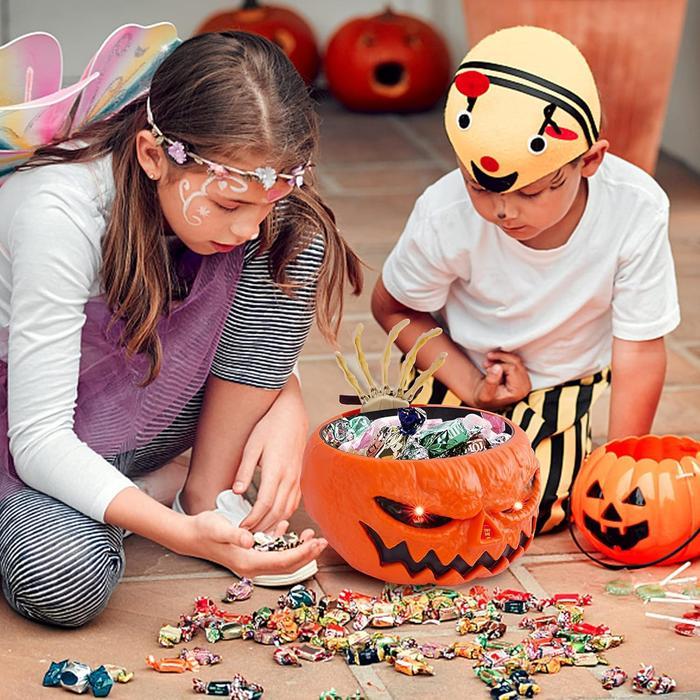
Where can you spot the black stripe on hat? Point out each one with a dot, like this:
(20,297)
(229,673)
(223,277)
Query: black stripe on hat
(538,80)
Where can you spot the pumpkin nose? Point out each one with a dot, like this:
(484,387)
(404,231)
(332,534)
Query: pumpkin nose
(610,513)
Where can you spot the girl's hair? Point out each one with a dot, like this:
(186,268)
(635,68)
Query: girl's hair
(222,95)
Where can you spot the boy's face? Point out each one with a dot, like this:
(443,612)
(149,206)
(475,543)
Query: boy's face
(526,213)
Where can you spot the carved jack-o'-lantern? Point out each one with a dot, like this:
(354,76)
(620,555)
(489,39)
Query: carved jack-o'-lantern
(387,62)
(444,520)
(636,499)
(284,27)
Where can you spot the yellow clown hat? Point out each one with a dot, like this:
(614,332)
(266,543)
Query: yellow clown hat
(522,104)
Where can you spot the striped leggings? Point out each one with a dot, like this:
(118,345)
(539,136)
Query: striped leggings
(558,422)
(59,566)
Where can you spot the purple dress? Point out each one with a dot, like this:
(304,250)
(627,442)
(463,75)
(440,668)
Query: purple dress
(113,414)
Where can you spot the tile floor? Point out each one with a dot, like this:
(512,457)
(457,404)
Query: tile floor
(372,168)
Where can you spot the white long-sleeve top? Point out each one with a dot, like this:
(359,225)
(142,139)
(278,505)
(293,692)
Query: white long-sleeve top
(52,220)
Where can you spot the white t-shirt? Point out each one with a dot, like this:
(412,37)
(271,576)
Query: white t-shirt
(558,309)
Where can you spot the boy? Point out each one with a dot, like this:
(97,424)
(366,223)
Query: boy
(547,261)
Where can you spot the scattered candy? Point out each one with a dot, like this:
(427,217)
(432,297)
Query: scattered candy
(656,685)
(240,590)
(177,665)
(613,677)
(286,657)
(200,657)
(238,688)
(78,677)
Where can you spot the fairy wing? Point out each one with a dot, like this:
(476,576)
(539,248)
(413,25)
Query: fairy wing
(31,66)
(125,64)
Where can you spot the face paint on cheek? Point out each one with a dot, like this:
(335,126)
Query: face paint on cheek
(183,188)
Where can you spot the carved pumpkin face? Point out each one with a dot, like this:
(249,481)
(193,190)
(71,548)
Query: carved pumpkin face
(423,521)
(634,498)
(284,27)
(387,62)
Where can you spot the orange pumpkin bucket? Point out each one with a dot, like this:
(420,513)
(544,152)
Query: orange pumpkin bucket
(637,500)
(443,520)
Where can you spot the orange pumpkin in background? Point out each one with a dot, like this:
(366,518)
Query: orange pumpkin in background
(286,28)
(446,520)
(388,62)
(637,499)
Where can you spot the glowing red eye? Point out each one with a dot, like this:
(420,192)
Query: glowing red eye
(415,516)
(471,83)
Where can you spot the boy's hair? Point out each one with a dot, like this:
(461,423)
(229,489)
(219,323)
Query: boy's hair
(224,96)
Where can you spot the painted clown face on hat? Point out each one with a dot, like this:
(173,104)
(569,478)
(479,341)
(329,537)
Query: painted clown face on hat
(523,104)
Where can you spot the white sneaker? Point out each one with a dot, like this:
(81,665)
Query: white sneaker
(234,507)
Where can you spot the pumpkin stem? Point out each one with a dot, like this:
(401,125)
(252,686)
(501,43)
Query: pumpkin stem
(388,13)
(250,5)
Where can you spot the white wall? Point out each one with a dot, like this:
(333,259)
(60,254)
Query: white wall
(681,136)
(81,25)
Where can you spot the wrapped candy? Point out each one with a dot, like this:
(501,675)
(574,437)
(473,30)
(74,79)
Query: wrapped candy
(411,419)
(286,657)
(200,656)
(75,676)
(118,673)
(240,590)
(267,543)
(169,636)
(297,596)
(660,685)
(613,677)
(176,665)
(237,688)
(100,682)
(52,678)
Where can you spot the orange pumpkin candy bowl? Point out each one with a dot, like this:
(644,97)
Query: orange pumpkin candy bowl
(636,499)
(443,520)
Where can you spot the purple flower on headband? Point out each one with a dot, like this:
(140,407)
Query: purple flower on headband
(177,152)
(217,170)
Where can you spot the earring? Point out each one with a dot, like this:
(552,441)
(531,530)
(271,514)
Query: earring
(152,176)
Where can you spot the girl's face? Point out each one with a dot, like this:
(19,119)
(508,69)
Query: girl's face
(528,212)
(212,214)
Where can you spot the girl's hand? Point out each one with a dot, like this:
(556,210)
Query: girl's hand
(212,537)
(276,444)
(506,381)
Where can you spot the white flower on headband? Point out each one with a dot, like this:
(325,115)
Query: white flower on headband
(267,176)
(298,176)
(177,152)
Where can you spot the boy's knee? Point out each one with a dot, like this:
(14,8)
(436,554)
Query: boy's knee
(75,596)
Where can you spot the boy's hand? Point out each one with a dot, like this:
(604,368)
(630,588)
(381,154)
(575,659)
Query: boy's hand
(506,381)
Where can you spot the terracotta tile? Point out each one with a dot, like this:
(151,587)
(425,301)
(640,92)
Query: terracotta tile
(680,370)
(410,178)
(552,543)
(646,640)
(373,339)
(356,138)
(147,558)
(321,384)
(126,632)
(679,413)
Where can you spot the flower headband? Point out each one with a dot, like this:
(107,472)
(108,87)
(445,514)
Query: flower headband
(266,175)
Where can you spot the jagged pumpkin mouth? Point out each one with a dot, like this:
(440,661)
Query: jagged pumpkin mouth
(400,554)
(613,537)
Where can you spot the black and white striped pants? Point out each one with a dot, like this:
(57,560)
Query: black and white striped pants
(60,566)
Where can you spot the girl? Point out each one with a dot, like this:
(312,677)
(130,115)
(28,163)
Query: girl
(157,280)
